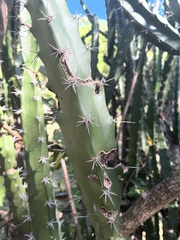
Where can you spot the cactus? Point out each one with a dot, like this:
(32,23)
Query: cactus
(156,28)
(87,127)
(15,189)
(42,205)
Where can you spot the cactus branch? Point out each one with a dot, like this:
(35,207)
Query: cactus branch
(134,80)
(157,29)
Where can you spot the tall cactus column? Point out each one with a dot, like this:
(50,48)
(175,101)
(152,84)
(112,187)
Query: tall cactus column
(87,127)
(45,224)
(43,217)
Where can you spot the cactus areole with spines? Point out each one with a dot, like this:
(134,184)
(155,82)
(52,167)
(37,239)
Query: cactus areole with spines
(88,129)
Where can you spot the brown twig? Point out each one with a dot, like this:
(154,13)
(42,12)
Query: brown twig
(71,201)
(134,80)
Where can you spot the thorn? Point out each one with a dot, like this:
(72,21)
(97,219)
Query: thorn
(30,236)
(20,169)
(89,48)
(95,162)
(43,159)
(107,194)
(45,17)
(4,108)
(112,224)
(54,183)
(128,122)
(41,139)
(34,81)
(18,111)
(76,17)
(51,223)
(37,98)
(23,197)
(87,121)
(111,216)
(19,77)
(49,203)
(145,31)
(27,218)
(82,216)
(46,180)
(77,198)
(25,184)
(71,82)
(59,52)
(52,164)
(39,118)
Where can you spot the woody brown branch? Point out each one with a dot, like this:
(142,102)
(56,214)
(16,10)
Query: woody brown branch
(150,203)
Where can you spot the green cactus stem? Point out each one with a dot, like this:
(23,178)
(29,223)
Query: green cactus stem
(156,28)
(42,205)
(87,127)
(15,189)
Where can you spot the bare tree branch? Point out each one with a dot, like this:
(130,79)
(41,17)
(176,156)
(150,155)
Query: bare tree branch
(150,203)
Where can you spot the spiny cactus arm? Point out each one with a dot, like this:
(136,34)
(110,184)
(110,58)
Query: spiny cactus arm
(85,122)
(111,21)
(42,205)
(120,26)
(136,118)
(162,148)
(156,28)
(176,107)
(168,71)
(95,39)
(45,224)
(15,190)
(166,168)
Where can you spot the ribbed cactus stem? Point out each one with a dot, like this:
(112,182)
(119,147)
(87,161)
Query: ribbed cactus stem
(42,205)
(155,27)
(45,224)
(15,189)
(85,122)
